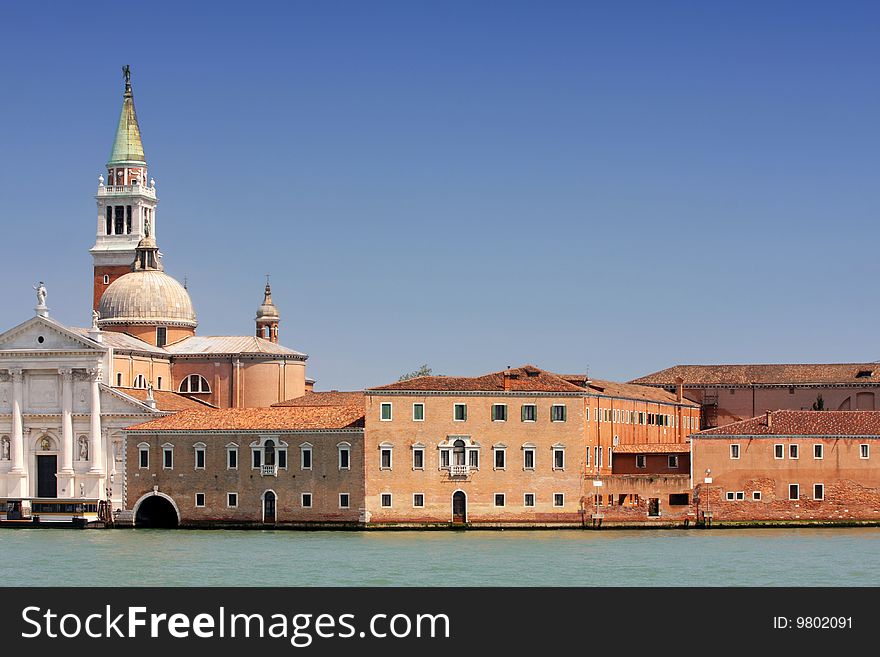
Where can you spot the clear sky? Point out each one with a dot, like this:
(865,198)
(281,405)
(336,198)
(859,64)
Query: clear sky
(615,186)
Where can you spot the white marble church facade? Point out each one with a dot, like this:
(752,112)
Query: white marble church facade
(60,423)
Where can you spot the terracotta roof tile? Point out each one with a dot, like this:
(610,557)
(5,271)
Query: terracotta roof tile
(803,423)
(633,391)
(229,344)
(527,378)
(166,400)
(653,448)
(331,398)
(694,375)
(258,419)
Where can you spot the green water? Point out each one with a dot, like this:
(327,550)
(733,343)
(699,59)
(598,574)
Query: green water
(763,557)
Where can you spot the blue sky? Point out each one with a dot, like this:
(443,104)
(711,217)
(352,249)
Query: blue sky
(613,186)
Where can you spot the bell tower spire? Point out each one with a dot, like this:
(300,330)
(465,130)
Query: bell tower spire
(267,316)
(126,201)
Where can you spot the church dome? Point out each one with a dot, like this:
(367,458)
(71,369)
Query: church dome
(146,296)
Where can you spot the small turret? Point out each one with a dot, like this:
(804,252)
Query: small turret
(267,316)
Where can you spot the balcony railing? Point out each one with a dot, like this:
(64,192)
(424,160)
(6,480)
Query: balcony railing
(459,470)
(107,190)
(269,471)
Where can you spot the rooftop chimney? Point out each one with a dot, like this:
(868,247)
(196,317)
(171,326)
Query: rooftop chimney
(506,378)
(679,389)
(769,419)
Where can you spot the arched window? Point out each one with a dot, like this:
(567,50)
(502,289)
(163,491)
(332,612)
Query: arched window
(458,452)
(139,381)
(194,383)
(269,452)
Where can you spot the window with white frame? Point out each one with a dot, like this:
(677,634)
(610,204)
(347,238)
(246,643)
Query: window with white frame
(200,456)
(499,499)
(558,499)
(529,413)
(734,451)
(386,500)
(167,456)
(232,500)
(256,457)
(864,451)
(672,462)
(558,458)
(529,499)
(587,457)
(385,411)
(106,279)
(306,499)
(418,457)
(599,457)
(641,461)
(756,495)
(793,451)
(200,499)
(344,500)
(499,412)
(418,500)
(794,491)
(143,456)
(385,459)
(444,458)
(500,456)
(818,451)
(528,458)
(778,451)
(194,383)
(418,412)
(343,451)
(558,413)
(474,458)
(459,412)
(740,496)
(818,491)
(305,456)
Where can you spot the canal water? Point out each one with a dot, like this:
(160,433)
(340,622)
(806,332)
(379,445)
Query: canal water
(144,557)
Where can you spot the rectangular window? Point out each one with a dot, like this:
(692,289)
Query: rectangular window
(344,458)
(256,458)
(200,458)
(232,500)
(740,496)
(161,336)
(864,451)
(818,451)
(305,458)
(144,457)
(793,451)
(558,499)
(282,458)
(529,413)
(756,496)
(793,492)
(734,451)
(529,499)
(778,451)
(473,458)
(500,459)
(673,462)
(119,379)
(158,383)
(344,500)
(459,412)
(418,500)
(641,460)
(529,459)
(557,413)
(818,491)
(499,499)
(599,457)
(168,458)
(559,459)
(730,496)
(444,458)
(385,411)
(587,458)
(499,412)
(200,499)
(307,500)
(418,458)
(418,412)
(385,463)
(386,500)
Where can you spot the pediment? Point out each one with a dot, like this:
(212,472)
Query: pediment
(55,337)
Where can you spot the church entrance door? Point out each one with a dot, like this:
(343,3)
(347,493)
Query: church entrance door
(47,483)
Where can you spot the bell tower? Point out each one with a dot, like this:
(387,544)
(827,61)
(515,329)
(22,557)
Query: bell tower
(267,316)
(126,200)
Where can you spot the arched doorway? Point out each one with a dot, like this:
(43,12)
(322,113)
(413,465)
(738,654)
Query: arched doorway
(156,511)
(459,507)
(269,506)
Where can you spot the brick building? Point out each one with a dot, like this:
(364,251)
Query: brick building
(798,466)
(730,393)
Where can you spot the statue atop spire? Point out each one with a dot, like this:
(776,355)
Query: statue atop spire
(126,73)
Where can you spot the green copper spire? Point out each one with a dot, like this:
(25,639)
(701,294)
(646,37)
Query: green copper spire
(127,146)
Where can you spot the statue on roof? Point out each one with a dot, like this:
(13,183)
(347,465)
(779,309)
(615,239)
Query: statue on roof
(126,73)
(41,294)
(95,317)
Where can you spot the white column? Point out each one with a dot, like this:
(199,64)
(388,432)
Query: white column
(65,476)
(17,422)
(95,448)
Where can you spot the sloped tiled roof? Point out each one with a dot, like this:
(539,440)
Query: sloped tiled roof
(291,418)
(629,390)
(527,378)
(653,448)
(166,400)
(123,341)
(331,398)
(803,423)
(229,344)
(694,375)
